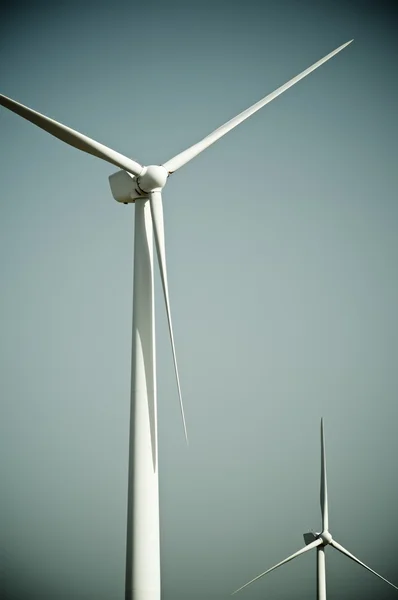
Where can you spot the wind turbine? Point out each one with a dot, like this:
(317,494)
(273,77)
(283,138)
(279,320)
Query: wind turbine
(143,186)
(319,540)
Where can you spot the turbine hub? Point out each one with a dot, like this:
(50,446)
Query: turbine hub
(326,537)
(152,178)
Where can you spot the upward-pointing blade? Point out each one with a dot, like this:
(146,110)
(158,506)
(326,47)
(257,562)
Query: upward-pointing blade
(314,544)
(155,199)
(344,551)
(324,487)
(72,137)
(183,157)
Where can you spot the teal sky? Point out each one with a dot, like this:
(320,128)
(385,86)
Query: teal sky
(282,256)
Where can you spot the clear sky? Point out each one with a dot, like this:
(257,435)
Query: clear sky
(282,257)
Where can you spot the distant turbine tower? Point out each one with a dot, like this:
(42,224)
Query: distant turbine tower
(143,185)
(319,540)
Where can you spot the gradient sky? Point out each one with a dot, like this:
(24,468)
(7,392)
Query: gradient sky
(282,257)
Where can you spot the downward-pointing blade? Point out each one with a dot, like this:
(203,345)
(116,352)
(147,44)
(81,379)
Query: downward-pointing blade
(72,137)
(314,544)
(183,157)
(324,487)
(155,199)
(344,551)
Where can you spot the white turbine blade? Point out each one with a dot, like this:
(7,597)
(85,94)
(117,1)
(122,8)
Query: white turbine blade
(314,544)
(72,137)
(155,199)
(344,551)
(324,487)
(183,157)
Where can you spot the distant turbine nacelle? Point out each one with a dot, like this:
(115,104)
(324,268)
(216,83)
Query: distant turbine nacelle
(127,188)
(310,537)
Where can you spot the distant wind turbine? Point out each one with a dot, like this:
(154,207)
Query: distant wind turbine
(319,540)
(143,185)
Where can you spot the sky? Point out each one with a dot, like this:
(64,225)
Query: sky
(282,251)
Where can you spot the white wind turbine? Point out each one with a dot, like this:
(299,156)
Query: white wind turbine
(143,185)
(319,540)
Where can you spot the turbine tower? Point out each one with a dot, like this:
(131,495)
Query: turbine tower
(319,540)
(143,186)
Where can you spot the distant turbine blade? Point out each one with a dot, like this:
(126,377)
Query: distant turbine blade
(183,157)
(314,544)
(72,137)
(344,551)
(155,199)
(324,487)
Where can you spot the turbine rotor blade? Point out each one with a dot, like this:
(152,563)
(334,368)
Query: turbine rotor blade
(186,155)
(324,488)
(313,544)
(72,137)
(344,551)
(155,199)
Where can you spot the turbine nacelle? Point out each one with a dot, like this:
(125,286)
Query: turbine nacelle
(310,537)
(127,188)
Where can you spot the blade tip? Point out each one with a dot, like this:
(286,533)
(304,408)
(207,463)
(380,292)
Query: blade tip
(340,48)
